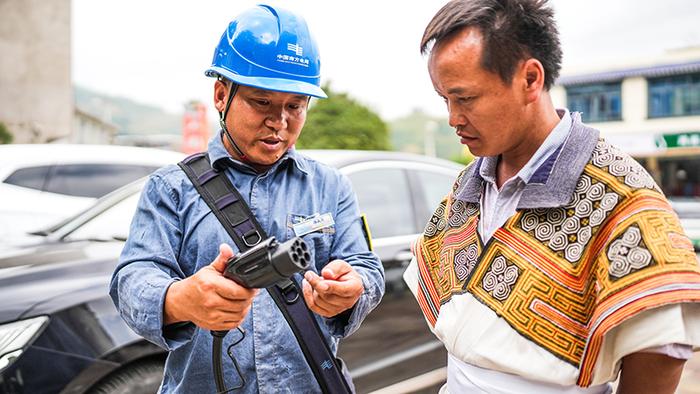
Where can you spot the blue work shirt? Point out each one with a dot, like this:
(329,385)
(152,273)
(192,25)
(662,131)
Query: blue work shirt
(173,234)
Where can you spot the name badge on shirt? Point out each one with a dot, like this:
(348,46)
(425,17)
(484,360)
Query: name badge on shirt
(313,223)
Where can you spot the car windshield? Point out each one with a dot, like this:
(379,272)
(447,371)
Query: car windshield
(110,224)
(108,219)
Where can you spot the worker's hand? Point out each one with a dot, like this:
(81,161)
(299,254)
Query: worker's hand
(208,299)
(336,290)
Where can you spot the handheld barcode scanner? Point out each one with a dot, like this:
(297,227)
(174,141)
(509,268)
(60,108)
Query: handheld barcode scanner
(268,263)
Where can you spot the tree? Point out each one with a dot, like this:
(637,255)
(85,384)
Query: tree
(408,134)
(464,157)
(339,122)
(5,135)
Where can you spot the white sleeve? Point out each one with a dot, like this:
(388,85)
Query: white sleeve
(657,329)
(675,350)
(410,276)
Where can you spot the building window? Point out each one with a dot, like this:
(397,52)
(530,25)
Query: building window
(599,102)
(674,96)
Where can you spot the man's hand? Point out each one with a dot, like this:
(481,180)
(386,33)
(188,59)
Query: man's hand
(336,290)
(208,299)
(649,373)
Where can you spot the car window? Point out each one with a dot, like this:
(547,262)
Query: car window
(113,223)
(383,195)
(435,187)
(31,177)
(93,180)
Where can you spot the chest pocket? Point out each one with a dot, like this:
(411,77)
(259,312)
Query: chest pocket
(319,242)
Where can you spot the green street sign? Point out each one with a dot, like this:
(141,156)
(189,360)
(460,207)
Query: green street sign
(681,140)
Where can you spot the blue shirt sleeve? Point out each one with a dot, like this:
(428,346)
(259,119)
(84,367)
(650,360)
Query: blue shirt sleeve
(148,266)
(350,245)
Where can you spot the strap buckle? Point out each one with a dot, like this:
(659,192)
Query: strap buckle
(251,233)
(289,291)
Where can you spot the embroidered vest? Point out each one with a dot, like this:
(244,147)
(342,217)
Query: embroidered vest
(563,276)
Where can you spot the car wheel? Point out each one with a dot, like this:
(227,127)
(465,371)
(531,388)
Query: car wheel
(142,377)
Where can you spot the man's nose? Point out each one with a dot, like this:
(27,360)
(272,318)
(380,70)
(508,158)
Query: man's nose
(276,119)
(457,118)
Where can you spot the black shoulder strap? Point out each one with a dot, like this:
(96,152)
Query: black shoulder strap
(224,200)
(234,214)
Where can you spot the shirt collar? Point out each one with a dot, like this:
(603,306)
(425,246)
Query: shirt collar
(553,182)
(551,144)
(220,158)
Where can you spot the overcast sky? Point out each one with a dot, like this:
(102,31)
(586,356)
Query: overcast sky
(156,51)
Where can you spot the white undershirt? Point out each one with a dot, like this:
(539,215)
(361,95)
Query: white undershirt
(466,378)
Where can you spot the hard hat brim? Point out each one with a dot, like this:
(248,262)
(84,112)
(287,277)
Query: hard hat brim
(274,84)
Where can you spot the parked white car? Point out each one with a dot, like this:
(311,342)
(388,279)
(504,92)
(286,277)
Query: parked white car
(41,184)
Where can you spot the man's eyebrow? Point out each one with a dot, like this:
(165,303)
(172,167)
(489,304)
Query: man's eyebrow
(270,92)
(261,91)
(458,90)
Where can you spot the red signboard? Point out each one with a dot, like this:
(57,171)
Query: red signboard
(195,130)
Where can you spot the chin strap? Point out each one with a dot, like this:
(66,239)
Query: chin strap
(222,119)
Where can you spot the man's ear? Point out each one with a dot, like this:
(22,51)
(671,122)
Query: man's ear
(533,77)
(220,96)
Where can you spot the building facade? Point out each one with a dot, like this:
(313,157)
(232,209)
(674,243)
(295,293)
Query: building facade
(90,129)
(649,108)
(36,92)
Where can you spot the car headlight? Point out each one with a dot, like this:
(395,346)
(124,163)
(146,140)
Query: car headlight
(16,336)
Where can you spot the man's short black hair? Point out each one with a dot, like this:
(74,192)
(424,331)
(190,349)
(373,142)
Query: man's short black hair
(512,30)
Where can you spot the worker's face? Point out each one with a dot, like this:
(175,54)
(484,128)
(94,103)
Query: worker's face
(484,110)
(263,123)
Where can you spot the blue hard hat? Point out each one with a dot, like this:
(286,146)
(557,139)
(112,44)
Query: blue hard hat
(269,48)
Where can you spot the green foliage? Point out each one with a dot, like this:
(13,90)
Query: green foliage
(5,135)
(408,134)
(463,158)
(339,122)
